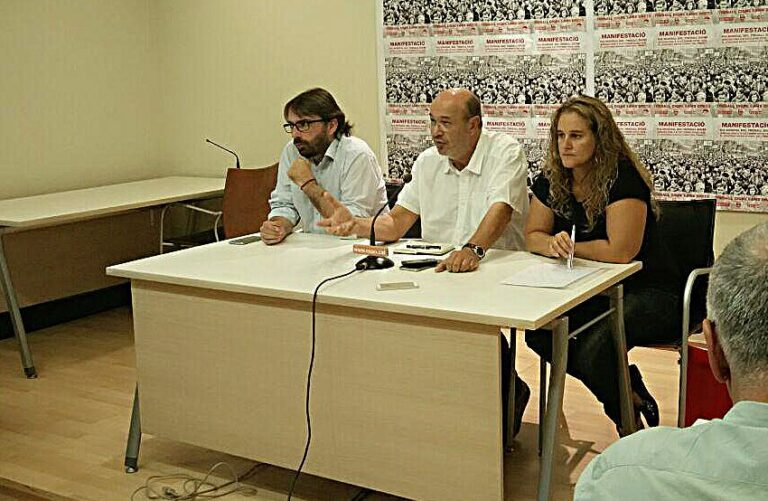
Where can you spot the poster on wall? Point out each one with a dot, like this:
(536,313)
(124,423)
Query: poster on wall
(687,81)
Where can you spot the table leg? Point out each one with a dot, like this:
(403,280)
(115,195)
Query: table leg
(15,313)
(512,376)
(542,399)
(554,403)
(162,226)
(134,437)
(616,295)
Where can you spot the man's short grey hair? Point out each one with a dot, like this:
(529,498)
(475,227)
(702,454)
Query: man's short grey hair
(737,302)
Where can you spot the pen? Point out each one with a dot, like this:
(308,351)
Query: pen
(573,243)
(419,246)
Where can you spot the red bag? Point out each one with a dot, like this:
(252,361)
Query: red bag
(705,397)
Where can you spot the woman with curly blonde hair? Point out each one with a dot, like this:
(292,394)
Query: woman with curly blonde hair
(591,182)
(595,185)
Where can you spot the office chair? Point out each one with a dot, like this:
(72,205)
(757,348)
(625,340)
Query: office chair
(245,206)
(689,225)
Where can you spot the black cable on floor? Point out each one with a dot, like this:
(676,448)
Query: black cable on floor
(309,379)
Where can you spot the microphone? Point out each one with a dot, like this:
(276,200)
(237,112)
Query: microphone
(381,262)
(225,149)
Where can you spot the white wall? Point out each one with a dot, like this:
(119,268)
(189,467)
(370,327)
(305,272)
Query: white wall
(78,89)
(728,225)
(228,67)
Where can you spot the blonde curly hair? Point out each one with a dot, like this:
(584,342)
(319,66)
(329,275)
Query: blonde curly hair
(610,147)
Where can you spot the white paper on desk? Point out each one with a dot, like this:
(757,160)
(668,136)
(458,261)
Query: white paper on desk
(549,275)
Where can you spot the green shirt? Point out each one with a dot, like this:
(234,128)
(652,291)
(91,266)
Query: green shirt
(723,459)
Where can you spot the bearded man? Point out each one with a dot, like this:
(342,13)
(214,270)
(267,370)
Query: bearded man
(321,157)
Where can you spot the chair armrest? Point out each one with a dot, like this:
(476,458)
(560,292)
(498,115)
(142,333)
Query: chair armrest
(689,283)
(215,213)
(683,384)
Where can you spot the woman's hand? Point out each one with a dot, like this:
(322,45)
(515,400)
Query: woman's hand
(561,245)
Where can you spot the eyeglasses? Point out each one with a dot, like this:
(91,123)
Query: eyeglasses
(301,125)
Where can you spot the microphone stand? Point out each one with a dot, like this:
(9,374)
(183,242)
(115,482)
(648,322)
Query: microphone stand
(380,262)
(225,149)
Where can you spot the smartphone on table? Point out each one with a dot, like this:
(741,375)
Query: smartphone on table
(418,264)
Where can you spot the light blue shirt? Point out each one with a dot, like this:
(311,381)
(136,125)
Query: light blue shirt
(723,459)
(349,171)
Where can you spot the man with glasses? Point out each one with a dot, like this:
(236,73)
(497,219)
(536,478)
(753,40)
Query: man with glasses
(321,158)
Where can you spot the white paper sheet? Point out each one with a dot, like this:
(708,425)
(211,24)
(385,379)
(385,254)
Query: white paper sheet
(549,275)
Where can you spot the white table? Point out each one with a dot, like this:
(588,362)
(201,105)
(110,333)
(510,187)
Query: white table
(21,214)
(406,389)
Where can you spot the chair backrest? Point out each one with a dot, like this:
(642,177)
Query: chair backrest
(415,230)
(246,199)
(687,227)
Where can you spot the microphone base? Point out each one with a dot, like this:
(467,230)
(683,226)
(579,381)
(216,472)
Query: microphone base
(374,263)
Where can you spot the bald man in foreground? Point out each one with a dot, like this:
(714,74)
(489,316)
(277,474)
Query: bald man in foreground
(469,189)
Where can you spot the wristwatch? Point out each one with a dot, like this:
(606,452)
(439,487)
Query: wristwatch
(479,251)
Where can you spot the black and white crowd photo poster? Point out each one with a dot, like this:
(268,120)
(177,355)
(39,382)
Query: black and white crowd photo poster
(687,81)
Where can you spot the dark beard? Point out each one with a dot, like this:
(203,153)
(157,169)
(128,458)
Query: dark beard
(314,151)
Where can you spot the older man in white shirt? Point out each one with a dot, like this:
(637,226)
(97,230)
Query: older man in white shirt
(723,458)
(469,189)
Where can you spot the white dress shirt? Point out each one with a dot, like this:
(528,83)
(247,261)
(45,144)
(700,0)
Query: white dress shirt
(349,171)
(452,203)
(722,459)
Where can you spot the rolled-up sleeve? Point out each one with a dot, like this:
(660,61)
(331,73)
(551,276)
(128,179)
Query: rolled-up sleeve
(509,184)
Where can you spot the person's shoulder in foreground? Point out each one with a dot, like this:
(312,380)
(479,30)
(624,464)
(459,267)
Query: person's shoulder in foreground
(721,459)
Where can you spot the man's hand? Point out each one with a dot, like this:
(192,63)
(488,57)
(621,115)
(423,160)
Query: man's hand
(459,261)
(341,222)
(274,231)
(300,171)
